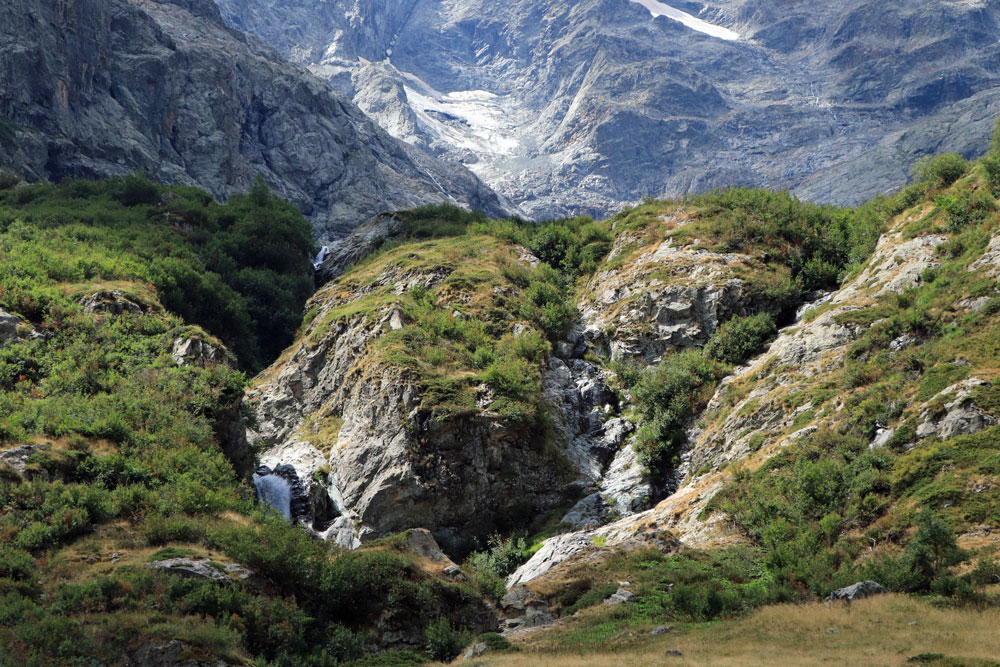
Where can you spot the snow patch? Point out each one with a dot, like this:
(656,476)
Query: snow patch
(477,120)
(659,9)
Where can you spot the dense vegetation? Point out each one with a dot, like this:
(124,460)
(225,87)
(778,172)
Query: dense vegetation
(129,446)
(240,270)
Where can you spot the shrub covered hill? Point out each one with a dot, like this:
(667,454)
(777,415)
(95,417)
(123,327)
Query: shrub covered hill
(726,402)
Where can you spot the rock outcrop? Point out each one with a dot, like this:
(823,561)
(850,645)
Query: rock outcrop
(654,295)
(858,591)
(202,568)
(13,329)
(337,399)
(97,88)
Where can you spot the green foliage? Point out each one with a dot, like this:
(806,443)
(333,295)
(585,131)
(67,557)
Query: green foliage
(491,566)
(941,170)
(666,398)
(241,270)
(547,302)
(817,244)
(741,338)
(496,642)
(444,643)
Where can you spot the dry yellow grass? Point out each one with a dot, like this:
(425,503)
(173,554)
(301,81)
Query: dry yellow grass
(867,633)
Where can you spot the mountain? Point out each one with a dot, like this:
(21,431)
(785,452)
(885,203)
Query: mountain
(106,87)
(581,107)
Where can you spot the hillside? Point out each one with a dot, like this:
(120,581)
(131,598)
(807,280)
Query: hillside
(728,401)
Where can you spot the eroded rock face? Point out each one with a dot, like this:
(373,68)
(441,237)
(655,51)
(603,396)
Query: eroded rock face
(959,415)
(392,464)
(662,297)
(360,243)
(750,413)
(108,87)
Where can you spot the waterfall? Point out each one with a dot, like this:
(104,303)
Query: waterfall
(274,490)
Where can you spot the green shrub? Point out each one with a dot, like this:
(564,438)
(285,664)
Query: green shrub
(741,338)
(666,397)
(444,644)
(16,564)
(496,642)
(941,170)
(491,566)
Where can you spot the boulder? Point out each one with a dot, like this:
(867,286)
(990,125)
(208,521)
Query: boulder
(17,457)
(202,569)
(188,351)
(858,591)
(111,302)
(620,596)
(9,325)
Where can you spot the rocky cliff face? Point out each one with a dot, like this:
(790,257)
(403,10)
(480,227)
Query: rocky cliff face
(808,381)
(579,107)
(349,410)
(93,88)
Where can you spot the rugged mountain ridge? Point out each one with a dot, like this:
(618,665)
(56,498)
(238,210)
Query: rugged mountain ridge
(600,103)
(106,87)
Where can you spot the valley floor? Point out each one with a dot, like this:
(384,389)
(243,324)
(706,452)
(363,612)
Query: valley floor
(891,630)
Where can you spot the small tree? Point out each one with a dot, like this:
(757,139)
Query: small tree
(941,170)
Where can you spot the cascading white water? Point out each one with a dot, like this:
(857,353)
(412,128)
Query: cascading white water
(276,491)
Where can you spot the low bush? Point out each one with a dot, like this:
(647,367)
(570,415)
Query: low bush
(443,642)
(741,338)
(941,170)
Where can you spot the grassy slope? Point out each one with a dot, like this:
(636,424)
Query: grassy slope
(133,463)
(880,631)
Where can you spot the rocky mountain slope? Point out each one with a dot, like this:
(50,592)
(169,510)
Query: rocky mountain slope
(107,87)
(674,423)
(582,107)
